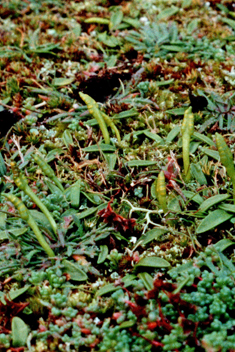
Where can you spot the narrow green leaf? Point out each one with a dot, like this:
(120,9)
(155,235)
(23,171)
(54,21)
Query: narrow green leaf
(193,196)
(75,190)
(16,293)
(104,250)
(153,136)
(167,13)
(115,19)
(223,244)
(4,235)
(229,21)
(172,134)
(20,332)
(3,168)
(197,173)
(147,280)
(74,271)
(230,208)
(127,324)
(100,147)
(212,201)
(153,261)
(106,289)
(212,220)
(152,235)
(176,111)
(133,163)
(203,138)
(212,153)
(59,82)
(111,160)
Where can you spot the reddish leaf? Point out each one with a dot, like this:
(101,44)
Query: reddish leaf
(10,310)
(117,221)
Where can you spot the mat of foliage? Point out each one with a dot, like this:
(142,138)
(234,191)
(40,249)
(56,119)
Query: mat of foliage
(117,181)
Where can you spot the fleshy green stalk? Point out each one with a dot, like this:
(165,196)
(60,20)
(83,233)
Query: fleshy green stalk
(95,112)
(111,124)
(187,130)
(161,191)
(226,158)
(25,215)
(47,170)
(21,182)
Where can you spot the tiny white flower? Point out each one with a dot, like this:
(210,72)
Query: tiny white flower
(96,320)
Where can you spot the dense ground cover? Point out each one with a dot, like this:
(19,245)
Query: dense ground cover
(117,177)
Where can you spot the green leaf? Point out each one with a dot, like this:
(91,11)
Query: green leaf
(40,218)
(151,235)
(106,289)
(228,21)
(74,271)
(212,201)
(223,244)
(67,138)
(176,111)
(153,261)
(75,190)
(92,197)
(20,332)
(115,19)
(111,160)
(59,82)
(172,134)
(153,136)
(164,83)
(192,25)
(212,220)
(89,211)
(3,168)
(167,13)
(212,153)
(16,293)
(133,163)
(104,250)
(4,235)
(147,280)
(203,138)
(107,40)
(193,196)
(127,324)
(197,173)
(18,232)
(228,207)
(100,147)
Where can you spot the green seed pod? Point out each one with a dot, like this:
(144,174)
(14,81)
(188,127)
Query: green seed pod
(95,112)
(19,205)
(187,130)
(47,170)
(161,191)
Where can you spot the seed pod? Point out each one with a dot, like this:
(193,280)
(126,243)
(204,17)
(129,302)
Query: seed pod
(47,170)
(111,124)
(161,191)
(95,112)
(19,205)
(187,131)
